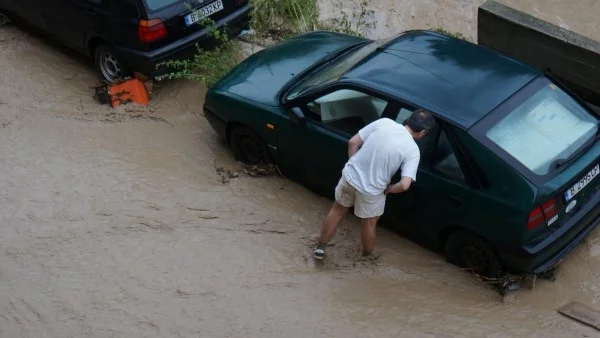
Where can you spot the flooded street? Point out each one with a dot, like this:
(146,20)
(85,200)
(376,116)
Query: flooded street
(114,223)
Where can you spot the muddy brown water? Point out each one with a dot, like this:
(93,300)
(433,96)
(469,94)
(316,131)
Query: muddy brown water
(113,223)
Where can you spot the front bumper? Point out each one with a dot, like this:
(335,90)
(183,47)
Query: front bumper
(146,62)
(218,124)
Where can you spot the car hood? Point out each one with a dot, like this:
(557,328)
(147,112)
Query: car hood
(262,76)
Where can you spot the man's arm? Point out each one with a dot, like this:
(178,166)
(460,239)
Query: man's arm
(354,144)
(357,140)
(399,187)
(409,175)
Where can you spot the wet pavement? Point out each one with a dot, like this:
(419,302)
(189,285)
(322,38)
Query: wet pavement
(114,223)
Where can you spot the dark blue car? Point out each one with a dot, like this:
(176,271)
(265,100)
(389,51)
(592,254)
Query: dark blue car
(126,36)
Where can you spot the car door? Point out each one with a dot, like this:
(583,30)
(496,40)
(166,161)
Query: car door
(314,151)
(441,195)
(71,20)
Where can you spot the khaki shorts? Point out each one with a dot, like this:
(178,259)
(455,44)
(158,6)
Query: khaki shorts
(365,206)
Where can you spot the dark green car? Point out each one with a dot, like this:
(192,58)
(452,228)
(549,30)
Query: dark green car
(508,177)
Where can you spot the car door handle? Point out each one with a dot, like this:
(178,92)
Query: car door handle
(91,11)
(454,200)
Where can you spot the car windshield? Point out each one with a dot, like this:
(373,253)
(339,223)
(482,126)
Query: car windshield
(158,4)
(333,70)
(547,127)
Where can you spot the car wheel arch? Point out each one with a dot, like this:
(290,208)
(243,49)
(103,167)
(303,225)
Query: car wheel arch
(230,127)
(94,42)
(233,125)
(451,230)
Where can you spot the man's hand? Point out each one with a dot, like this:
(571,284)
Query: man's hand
(399,187)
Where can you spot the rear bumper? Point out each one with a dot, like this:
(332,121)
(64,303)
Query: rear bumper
(547,254)
(146,62)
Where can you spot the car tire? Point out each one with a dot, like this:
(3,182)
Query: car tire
(109,65)
(247,146)
(471,252)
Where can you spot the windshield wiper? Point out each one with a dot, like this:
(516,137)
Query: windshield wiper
(562,161)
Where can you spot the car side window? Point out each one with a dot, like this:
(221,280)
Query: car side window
(444,159)
(403,114)
(346,110)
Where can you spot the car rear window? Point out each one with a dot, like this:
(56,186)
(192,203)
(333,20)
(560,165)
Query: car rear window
(547,127)
(158,4)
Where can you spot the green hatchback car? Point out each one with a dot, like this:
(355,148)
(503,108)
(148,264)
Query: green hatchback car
(508,179)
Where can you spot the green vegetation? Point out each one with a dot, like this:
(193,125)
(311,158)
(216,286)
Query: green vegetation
(207,65)
(284,16)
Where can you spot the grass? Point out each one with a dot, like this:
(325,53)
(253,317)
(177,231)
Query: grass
(272,16)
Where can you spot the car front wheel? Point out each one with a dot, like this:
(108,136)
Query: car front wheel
(109,65)
(247,146)
(471,252)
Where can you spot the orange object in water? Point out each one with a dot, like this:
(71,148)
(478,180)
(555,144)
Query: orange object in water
(129,91)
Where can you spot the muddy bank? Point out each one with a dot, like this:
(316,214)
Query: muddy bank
(115,224)
(395,16)
(460,16)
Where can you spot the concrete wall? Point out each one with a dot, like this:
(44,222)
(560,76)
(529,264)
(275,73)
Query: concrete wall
(573,58)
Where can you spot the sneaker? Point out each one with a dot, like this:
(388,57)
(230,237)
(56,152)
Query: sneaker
(319,252)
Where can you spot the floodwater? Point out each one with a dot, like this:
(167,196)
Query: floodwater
(114,223)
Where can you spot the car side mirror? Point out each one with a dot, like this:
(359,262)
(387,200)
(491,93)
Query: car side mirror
(297,116)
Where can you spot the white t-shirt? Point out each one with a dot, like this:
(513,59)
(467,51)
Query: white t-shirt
(387,147)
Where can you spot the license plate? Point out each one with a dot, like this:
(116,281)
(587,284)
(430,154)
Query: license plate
(577,187)
(203,12)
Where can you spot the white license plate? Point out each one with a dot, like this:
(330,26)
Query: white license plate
(203,12)
(577,187)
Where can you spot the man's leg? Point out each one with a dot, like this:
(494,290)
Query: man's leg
(368,233)
(331,222)
(369,209)
(344,195)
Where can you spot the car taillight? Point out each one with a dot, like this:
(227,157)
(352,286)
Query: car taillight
(151,30)
(549,209)
(540,214)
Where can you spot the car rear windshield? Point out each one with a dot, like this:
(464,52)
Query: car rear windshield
(549,126)
(158,4)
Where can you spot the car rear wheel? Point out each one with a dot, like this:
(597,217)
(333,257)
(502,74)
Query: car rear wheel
(109,65)
(247,146)
(469,251)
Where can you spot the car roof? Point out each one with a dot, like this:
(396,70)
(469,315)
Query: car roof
(459,81)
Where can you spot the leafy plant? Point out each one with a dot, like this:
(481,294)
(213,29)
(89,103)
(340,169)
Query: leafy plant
(355,24)
(298,16)
(207,65)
